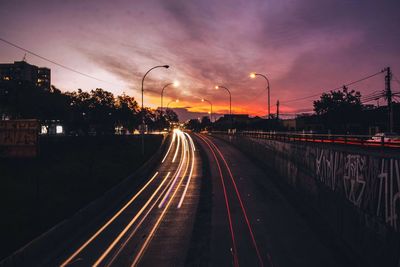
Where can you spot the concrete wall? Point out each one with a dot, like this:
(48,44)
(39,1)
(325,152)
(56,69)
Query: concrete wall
(356,190)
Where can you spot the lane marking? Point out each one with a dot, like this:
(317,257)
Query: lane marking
(67,261)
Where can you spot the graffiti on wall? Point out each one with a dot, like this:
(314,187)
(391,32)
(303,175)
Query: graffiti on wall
(353,178)
(326,164)
(367,180)
(389,192)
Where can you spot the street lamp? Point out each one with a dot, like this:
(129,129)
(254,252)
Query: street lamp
(205,100)
(160,66)
(253,75)
(176,101)
(230,97)
(176,83)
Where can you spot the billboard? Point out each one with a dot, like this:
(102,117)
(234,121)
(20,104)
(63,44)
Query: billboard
(19,138)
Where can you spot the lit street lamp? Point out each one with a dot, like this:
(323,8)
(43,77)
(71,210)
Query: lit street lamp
(162,92)
(253,75)
(142,130)
(205,100)
(176,101)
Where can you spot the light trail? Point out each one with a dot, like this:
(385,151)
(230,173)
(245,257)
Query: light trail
(105,253)
(190,174)
(139,224)
(183,159)
(170,145)
(155,227)
(191,141)
(177,147)
(79,250)
(235,256)
(240,201)
(170,184)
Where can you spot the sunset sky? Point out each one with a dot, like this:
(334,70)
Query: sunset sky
(305,47)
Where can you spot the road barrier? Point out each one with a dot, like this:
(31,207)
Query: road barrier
(354,140)
(356,190)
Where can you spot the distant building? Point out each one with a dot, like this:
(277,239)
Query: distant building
(244,118)
(23,72)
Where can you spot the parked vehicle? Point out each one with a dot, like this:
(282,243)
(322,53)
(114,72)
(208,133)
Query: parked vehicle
(385,137)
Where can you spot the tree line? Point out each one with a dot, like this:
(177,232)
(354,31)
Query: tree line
(81,112)
(338,112)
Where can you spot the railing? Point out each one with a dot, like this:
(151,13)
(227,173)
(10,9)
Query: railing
(357,140)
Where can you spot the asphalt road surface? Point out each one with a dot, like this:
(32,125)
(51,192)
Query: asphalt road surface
(154,226)
(252,222)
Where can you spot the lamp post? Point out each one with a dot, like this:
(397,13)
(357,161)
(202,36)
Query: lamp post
(142,130)
(205,100)
(176,101)
(162,92)
(230,97)
(253,75)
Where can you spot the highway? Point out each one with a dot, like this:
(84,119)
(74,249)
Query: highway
(157,218)
(171,220)
(253,224)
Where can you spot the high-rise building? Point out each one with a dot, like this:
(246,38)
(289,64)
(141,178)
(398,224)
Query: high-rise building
(23,72)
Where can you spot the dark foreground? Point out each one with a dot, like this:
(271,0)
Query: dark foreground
(36,194)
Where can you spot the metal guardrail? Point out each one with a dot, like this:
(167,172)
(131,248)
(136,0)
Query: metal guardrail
(358,140)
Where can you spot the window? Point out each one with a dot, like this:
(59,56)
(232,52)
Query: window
(59,129)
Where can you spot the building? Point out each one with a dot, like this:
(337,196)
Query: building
(23,72)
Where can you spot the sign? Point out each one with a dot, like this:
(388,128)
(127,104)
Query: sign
(18,138)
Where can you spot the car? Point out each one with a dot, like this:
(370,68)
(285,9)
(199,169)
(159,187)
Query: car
(385,137)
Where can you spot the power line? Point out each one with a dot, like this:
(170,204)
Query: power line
(373,94)
(54,62)
(350,83)
(395,78)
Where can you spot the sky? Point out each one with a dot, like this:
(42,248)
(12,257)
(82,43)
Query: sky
(304,47)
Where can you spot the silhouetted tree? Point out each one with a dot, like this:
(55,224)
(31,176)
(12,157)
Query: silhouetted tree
(171,116)
(127,112)
(339,109)
(205,122)
(194,125)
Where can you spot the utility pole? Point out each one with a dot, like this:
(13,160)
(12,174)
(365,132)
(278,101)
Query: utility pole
(389,95)
(277,109)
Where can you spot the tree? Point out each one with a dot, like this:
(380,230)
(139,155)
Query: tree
(127,112)
(171,116)
(194,125)
(339,110)
(205,122)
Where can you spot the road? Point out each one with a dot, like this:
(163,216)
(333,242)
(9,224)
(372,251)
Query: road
(252,222)
(207,204)
(154,226)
